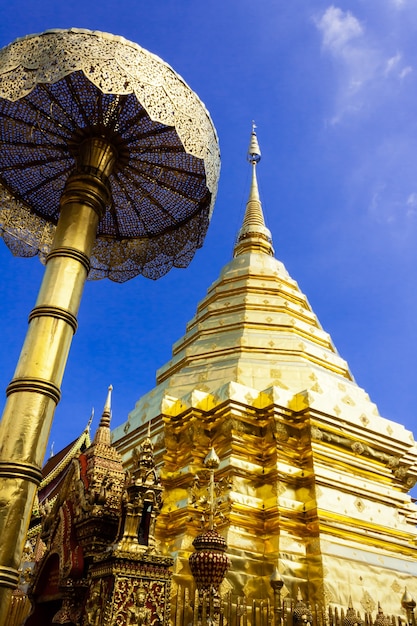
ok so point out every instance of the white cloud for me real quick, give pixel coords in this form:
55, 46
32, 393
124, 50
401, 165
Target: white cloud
392, 63
405, 71
387, 206
411, 204
362, 63
339, 28
394, 66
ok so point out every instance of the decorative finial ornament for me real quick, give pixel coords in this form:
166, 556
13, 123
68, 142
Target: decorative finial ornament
381, 619
90, 421
254, 152
409, 604
209, 563
103, 431
254, 236
275, 580
302, 614
107, 406
407, 600
212, 461
352, 618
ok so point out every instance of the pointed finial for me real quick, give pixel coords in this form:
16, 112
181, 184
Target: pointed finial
103, 431
90, 421
212, 461
147, 441
107, 406
254, 236
51, 454
254, 152
275, 580
407, 601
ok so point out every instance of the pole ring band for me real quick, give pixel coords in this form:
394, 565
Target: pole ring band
84, 185
25, 471
56, 312
35, 385
71, 253
9, 577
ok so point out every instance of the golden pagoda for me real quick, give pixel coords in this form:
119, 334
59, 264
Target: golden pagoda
318, 505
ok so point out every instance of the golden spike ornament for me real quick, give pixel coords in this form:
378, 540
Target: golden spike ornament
254, 236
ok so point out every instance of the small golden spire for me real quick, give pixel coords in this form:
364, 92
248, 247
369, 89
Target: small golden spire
254, 236
107, 406
103, 431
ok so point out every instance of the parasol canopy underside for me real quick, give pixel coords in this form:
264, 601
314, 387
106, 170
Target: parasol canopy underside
163, 184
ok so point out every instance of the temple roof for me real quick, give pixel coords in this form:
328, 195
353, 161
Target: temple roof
56, 467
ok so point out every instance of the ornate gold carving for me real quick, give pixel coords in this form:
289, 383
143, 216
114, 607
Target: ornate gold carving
357, 447
317, 388
367, 602
396, 587
210, 497
95, 603
143, 503
328, 593
139, 603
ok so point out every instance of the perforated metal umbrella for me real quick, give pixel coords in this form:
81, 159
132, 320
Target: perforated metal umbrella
61, 87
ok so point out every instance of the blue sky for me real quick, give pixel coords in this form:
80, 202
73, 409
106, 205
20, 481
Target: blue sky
333, 90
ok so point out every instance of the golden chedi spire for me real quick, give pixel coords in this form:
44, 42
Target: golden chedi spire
255, 371
254, 236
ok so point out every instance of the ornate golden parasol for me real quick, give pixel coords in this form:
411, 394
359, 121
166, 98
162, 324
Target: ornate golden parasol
108, 167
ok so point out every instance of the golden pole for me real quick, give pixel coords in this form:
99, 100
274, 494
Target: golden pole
34, 391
